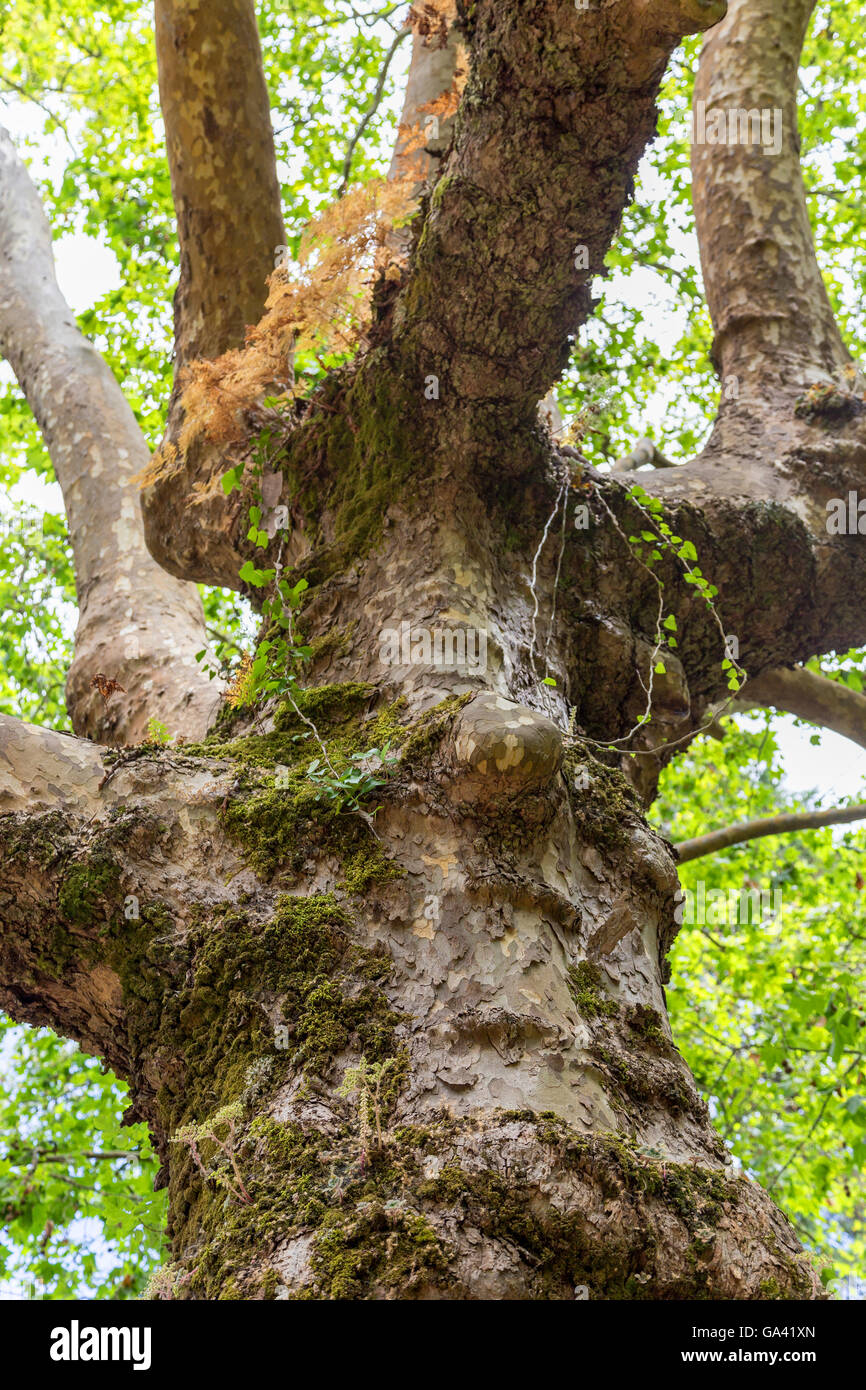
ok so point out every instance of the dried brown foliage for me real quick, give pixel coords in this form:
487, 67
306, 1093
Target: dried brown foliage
239, 691
106, 685
320, 305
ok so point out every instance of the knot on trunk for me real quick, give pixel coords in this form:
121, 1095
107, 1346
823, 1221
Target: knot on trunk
500, 750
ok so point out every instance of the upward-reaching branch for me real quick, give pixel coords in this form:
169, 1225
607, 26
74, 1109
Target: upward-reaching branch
220, 147
559, 106
791, 433
774, 327
136, 623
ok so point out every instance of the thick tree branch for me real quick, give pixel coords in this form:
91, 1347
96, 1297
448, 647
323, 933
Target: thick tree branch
790, 437
809, 696
83, 853
220, 147
739, 834
558, 108
45, 771
136, 623
773, 323
49, 792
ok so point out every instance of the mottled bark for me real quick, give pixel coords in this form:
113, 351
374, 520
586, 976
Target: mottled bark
95, 853
558, 108
790, 436
220, 147
497, 951
774, 328
136, 623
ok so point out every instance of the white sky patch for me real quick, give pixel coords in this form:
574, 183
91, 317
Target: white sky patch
836, 768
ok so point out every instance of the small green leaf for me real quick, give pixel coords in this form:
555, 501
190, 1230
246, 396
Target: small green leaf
258, 578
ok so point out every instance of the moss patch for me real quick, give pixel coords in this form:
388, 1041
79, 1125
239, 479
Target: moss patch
585, 987
281, 818
349, 460
328, 706
87, 872
368, 865
301, 968
374, 1224
86, 885
608, 808
209, 1011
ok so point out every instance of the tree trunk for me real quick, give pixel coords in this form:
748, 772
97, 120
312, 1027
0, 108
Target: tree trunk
482, 970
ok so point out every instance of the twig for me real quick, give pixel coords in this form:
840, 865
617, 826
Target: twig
767, 825
370, 112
